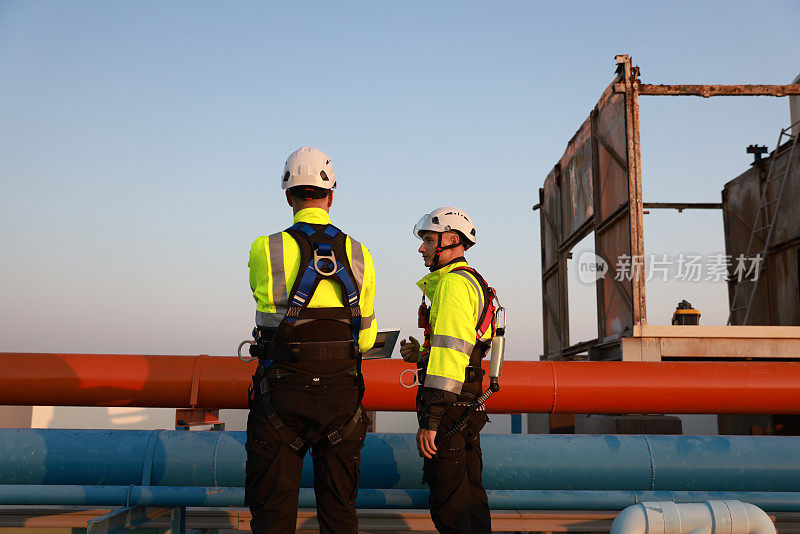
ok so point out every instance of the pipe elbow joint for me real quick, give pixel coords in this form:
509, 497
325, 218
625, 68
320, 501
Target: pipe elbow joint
631, 520
757, 519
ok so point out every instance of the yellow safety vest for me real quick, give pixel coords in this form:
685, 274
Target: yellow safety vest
456, 305
275, 262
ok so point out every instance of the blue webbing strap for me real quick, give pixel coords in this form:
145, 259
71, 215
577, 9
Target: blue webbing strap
309, 276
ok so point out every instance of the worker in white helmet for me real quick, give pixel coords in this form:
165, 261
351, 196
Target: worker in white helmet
314, 288
458, 330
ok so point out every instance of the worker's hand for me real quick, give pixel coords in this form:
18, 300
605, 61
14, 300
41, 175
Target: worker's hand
425, 442
409, 350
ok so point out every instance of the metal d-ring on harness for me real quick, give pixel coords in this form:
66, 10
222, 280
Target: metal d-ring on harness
318, 250
495, 371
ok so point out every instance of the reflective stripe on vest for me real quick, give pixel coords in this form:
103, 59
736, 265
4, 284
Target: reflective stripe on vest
279, 296
357, 262
450, 342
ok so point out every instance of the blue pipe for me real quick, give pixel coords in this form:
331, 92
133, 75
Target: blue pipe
516, 423
511, 462
30, 495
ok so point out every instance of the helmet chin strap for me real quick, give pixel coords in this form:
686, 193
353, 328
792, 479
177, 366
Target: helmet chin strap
440, 249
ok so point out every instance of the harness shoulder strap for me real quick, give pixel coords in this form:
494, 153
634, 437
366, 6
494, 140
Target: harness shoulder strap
323, 255
486, 318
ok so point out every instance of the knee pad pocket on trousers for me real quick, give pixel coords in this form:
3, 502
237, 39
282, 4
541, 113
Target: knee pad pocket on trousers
448, 466
260, 455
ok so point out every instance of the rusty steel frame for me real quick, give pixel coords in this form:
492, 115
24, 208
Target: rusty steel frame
625, 216
706, 91
559, 201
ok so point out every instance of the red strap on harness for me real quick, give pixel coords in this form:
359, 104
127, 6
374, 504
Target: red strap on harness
486, 319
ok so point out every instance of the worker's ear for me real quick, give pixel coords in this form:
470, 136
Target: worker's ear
330, 198
451, 238
289, 198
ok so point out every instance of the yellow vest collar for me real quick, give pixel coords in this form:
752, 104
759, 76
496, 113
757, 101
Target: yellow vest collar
430, 282
312, 216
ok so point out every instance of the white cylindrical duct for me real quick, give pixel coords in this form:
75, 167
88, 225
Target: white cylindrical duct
710, 517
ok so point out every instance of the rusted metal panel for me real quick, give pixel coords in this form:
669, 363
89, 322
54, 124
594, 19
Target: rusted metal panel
593, 188
782, 292
706, 91
740, 205
618, 293
552, 312
788, 222
550, 223
550, 212
777, 297
576, 179
612, 229
611, 153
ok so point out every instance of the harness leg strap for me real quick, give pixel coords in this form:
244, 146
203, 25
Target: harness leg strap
338, 434
295, 442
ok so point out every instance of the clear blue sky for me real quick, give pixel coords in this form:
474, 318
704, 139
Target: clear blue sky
141, 145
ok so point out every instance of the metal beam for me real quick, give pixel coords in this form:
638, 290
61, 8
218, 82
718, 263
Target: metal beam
680, 206
124, 519
707, 91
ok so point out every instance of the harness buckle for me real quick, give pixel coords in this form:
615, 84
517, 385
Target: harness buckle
275, 420
324, 263
297, 444
334, 437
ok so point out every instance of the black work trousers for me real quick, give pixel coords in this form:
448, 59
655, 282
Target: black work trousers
311, 408
457, 499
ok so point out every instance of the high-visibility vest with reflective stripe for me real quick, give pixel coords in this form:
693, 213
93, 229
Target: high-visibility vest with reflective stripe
456, 304
274, 265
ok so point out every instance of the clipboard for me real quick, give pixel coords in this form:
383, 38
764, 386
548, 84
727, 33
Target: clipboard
384, 345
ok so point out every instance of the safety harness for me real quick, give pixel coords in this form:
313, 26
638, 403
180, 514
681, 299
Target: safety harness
323, 256
473, 371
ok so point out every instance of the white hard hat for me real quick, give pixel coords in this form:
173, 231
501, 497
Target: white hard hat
308, 167
448, 220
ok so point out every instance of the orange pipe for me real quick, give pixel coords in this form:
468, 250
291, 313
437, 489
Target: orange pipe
555, 387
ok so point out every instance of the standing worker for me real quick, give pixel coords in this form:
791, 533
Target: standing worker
314, 288
458, 330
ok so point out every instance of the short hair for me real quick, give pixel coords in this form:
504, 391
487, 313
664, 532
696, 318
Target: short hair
307, 192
